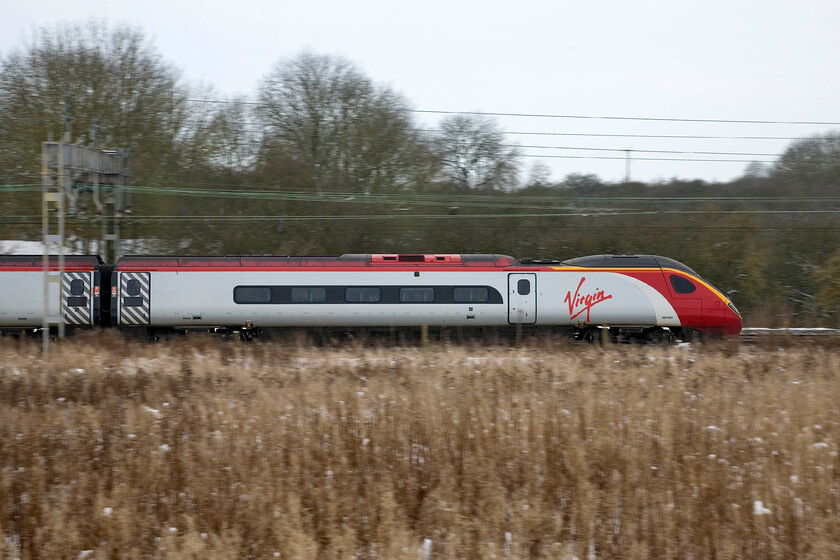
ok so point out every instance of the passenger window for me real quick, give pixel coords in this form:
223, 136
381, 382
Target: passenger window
309, 295
417, 295
251, 294
682, 285
471, 294
362, 295
523, 287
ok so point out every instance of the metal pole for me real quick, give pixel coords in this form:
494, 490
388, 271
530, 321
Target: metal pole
46, 180
118, 207
68, 117
66, 194
66, 184
627, 165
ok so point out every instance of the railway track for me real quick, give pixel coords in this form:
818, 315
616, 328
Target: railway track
760, 334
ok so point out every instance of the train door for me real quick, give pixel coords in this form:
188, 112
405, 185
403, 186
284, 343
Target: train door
77, 298
522, 298
134, 298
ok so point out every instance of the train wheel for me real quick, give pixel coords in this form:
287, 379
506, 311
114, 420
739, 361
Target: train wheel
162, 336
594, 335
660, 336
236, 336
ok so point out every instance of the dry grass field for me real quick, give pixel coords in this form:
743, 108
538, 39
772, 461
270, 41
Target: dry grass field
205, 449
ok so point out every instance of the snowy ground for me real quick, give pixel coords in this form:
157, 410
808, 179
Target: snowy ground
16, 247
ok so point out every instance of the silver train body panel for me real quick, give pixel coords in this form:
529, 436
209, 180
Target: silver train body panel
200, 299
22, 299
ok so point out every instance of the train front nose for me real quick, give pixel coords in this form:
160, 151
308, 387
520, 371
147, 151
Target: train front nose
733, 323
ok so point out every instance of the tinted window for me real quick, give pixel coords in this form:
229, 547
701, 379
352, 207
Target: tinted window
682, 285
417, 295
133, 302
252, 294
362, 295
77, 287
523, 287
309, 295
471, 294
132, 287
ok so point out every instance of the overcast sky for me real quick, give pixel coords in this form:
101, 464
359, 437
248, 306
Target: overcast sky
767, 60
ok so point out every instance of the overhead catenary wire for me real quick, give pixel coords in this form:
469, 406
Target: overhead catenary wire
497, 199
458, 217
262, 192
620, 118
396, 225
259, 127
702, 160
624, 153
571, 116
650, 136
643, 151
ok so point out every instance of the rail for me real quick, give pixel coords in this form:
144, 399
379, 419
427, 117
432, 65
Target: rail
755, 334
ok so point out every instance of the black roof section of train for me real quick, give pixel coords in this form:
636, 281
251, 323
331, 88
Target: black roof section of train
628, 261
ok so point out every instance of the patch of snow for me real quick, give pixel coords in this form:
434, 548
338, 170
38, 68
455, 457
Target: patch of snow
426, 550
77, 246
18, 247
153, 411
759, 509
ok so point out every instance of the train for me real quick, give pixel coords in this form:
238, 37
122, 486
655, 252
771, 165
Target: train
624, 297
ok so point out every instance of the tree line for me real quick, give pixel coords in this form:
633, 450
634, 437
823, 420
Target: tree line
323, 161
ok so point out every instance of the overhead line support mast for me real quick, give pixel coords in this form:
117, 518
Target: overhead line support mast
68, 171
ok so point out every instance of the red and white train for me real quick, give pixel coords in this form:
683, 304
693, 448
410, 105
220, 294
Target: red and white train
628, 296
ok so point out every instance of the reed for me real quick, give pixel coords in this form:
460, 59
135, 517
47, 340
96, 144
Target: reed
206, 449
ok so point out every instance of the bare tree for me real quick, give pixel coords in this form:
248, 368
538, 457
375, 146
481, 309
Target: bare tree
232, 143
475, 156
539, 175
113, 76
350, 135
811, 164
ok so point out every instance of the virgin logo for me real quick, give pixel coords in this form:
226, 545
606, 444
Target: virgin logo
580, 303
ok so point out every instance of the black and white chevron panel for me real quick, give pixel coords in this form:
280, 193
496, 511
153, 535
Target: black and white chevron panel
76, 298
134, 298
